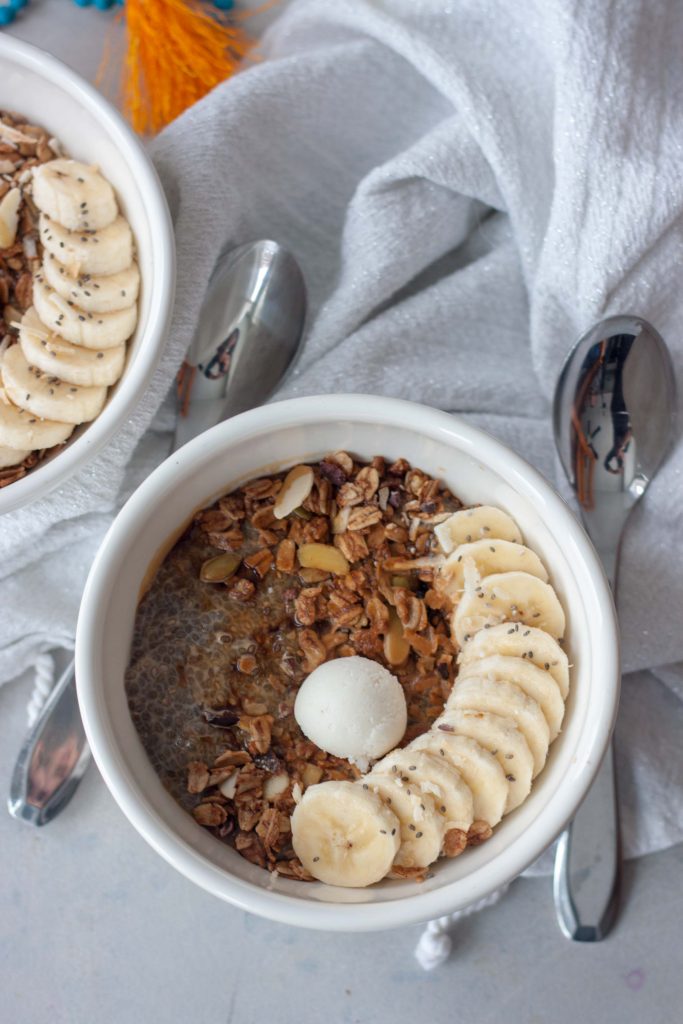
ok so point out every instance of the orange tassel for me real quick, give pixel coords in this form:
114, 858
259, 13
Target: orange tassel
176, 53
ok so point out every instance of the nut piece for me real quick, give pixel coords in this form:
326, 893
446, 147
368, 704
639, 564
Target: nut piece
220, 568
275, 785
479, 832
323, 556
296, 488
454, 842
396, 647
311, 774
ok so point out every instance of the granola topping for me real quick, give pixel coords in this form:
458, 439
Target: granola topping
235, 621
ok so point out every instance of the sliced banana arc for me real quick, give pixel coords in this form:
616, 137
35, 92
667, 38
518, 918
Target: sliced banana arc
489, 556
480, 523
422, 827
510, 701
102, 294
480, 770
72, 341
91, 330
508, 596
70, 363
12, 456
426, 773
520, 641
42, 396
536, 683
107, 251
74, 194
344, 834
20, 429
501, 737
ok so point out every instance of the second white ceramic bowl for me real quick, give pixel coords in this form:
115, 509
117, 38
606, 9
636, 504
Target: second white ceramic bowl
48, 93
476, 468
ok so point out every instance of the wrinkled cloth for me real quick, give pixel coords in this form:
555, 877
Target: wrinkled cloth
468, 186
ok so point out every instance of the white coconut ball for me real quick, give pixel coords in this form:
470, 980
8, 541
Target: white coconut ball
353, 708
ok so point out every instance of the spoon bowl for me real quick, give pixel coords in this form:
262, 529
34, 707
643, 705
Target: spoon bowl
248, 337
614, 414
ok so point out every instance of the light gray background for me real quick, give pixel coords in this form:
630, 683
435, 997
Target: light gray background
94, 927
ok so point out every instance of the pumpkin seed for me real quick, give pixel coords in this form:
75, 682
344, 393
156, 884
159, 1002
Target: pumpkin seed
220, 568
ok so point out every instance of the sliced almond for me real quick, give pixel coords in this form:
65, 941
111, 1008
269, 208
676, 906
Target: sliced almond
229, 786
296, 487
396, 647
9, 217
341, 520
323, 556
275, 785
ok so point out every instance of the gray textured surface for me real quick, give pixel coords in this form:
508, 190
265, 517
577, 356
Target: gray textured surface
95, 927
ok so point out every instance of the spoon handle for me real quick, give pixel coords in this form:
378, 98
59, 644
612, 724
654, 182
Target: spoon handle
588, 862
53, 759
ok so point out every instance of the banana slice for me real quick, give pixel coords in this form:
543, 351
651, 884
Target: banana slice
93, 294
510, 701
91, 330
536, 683
344, 834
108, 251
46, 397
514, 596
22, 430
70, 363
481, 523
74, 195
503, 739
515, 641
480, 770
11, 456
422, 827
489, 556
433, 775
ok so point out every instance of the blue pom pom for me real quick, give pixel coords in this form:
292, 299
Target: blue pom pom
82, 3
6, 15
103, 5
224, 5
17, 5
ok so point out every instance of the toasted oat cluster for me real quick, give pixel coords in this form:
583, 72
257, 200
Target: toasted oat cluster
275, 578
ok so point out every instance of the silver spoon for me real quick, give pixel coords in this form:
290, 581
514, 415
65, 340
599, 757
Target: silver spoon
614, 413
249, 335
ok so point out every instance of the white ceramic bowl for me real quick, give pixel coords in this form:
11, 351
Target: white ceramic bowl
478, 469
49, 94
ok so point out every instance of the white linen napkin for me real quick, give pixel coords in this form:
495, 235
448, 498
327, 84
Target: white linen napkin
468, 186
